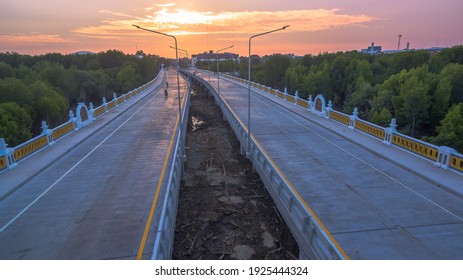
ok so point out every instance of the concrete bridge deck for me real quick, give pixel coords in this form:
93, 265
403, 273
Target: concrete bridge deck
89, 195
376, 201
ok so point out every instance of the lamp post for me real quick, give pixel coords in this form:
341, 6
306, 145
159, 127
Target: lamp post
218, 75
249, 85
185, 51
178, 77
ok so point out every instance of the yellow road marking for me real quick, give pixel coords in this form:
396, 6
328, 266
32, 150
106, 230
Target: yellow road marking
141, 249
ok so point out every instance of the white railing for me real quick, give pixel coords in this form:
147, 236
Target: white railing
443, 157
164, 238
10, 157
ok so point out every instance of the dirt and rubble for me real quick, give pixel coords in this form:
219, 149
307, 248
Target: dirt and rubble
224, 210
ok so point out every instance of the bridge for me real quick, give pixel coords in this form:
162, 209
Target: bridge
347, 189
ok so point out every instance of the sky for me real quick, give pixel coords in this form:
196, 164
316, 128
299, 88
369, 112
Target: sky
315, 26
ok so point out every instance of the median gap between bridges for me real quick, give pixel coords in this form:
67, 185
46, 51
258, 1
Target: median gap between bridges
224, 210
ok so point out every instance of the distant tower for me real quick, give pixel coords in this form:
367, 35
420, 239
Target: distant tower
398, 45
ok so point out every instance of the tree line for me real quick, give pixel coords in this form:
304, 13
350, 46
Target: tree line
422, 90
45, 87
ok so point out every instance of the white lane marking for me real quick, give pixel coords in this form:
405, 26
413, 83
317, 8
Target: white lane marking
72, 168
359, 159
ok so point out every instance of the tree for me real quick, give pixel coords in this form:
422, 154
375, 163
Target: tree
15, 123
412, 104
360, 98
275, 68
383, 118
6, 71
92, 85
62, 79
50, 105
14, 90
454, 72
127, 78
450, 131
440, 101
294, 78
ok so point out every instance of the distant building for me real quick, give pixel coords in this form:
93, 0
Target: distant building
211, 56
83, 53
372, 49
378, 49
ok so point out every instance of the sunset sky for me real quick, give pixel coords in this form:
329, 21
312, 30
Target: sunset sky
42, 26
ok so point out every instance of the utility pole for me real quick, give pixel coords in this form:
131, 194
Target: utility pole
398, 45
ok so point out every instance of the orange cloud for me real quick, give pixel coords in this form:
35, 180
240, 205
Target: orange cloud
185, 22
33, 39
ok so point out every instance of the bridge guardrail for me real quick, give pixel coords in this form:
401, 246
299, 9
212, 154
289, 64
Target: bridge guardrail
164, 240
312, 236
10, 157
443, 157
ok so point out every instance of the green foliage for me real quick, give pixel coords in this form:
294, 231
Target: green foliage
412, 104
383, 118
50, 105
127, 78
45, 87
15, 123
415, 87
14, 90
6, 71
274, 70
450, 130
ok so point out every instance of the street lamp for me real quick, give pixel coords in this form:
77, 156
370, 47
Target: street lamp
185, 51
249, 85
178, 77
218, 75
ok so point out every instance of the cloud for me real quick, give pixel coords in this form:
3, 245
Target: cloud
186, 22
33, 39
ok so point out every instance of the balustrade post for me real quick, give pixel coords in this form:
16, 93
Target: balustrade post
389, 132
285, 93
115, 99
8, 153
296, 97
105, 104
311, 105
48, 133
91, 112
326, 113
353, 118
443, 158
73, 119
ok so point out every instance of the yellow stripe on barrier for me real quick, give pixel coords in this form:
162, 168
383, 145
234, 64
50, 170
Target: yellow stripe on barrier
340, 118
281, 95
370, 129
111, 105
144, 238
272, 91
301, 199
58, 133
2, 162
127, 96
120, 100
290, 98
303, 103
99, 111
456, 163
30, 148
416, 147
